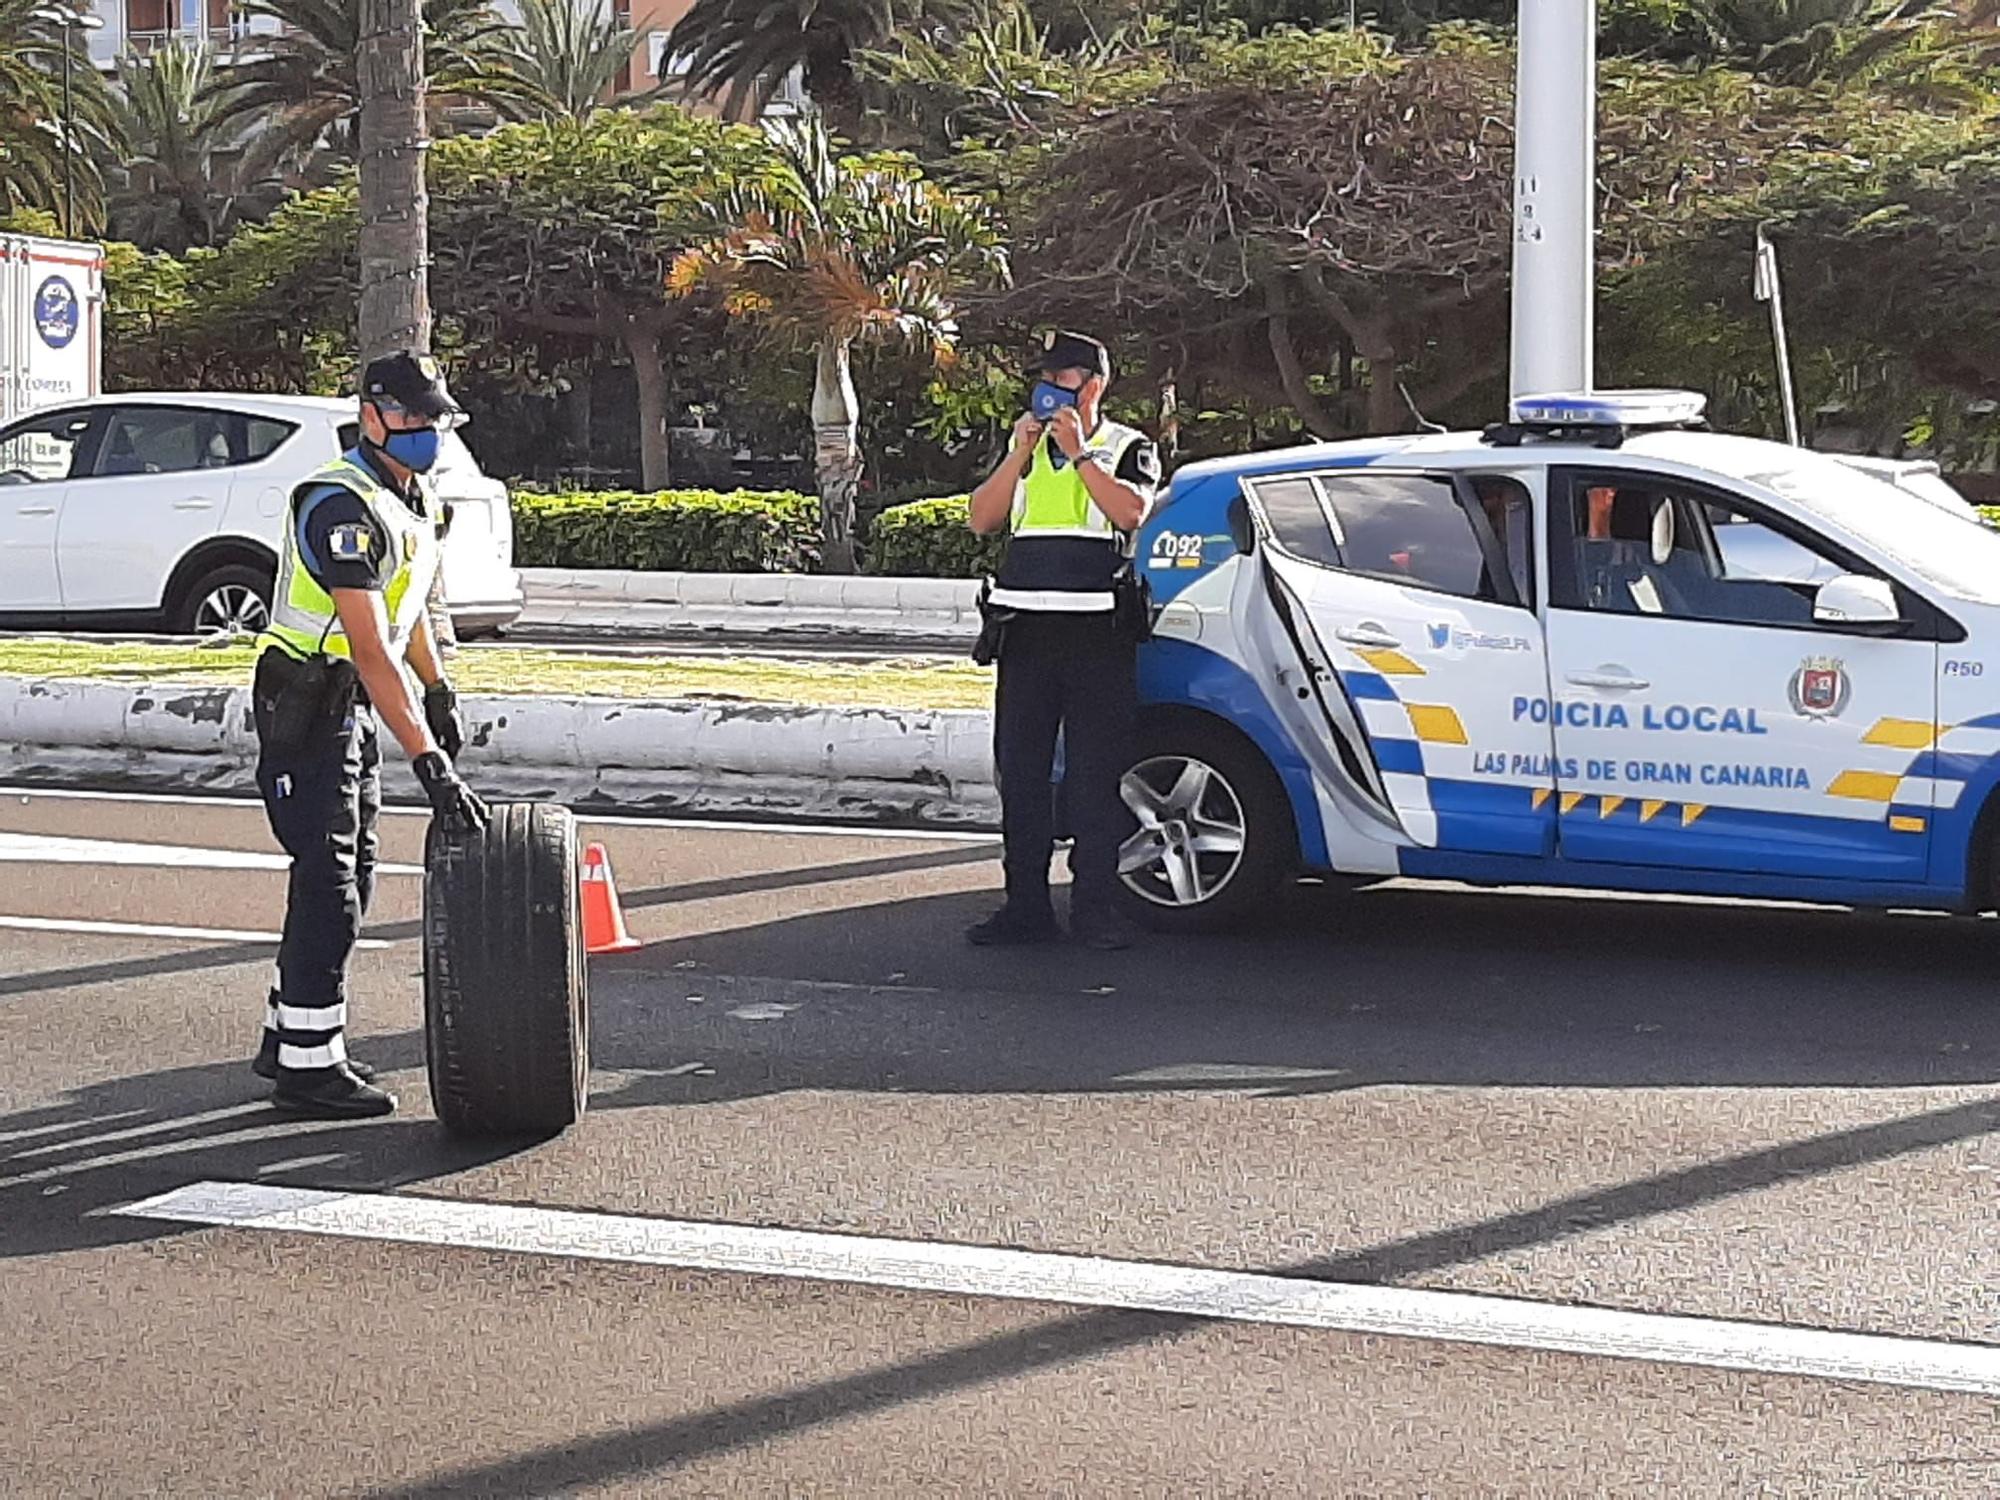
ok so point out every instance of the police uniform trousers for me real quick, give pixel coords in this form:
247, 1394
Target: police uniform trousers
1073, 675
324, 802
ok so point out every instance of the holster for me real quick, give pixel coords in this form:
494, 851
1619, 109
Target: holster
296, 703
1132, 607
993, 620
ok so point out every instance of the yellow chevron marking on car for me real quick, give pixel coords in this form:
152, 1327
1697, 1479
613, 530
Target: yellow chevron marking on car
1571, 799
1609, 806
1690, 814
1437, 724
1902, 734
1650, 810
1866, 786
1389, 663
1907, 825
1541, 797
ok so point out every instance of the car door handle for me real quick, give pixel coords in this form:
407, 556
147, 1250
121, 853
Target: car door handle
196, 504
1607, 680
1362, 637
37, 510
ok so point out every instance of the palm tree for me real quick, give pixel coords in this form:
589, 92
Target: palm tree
572, 55
35, 148
827, 252
303, 83
186, 178
740, 48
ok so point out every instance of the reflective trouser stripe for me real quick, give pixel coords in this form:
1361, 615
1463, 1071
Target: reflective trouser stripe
327, 1054
311, 1018
1067, 601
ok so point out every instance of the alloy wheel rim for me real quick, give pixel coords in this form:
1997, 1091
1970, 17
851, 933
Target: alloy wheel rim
1192, 831
233, 609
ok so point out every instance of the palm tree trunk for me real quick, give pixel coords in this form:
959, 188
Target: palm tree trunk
642, 344
836, 415
395, 229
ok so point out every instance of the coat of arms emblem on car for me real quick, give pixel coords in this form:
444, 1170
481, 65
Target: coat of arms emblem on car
1820, 689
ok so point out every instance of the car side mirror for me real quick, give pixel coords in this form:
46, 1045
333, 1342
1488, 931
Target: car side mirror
1242, 529
1851, 600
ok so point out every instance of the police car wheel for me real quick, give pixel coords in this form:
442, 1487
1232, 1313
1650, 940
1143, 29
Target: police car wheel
506, 997
1214, 835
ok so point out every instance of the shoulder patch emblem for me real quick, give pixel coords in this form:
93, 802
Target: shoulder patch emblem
350, 543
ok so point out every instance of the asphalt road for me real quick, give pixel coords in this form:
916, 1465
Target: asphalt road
1787, 1117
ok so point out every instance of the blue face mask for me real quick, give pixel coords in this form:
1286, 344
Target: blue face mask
1050, 398
416, 451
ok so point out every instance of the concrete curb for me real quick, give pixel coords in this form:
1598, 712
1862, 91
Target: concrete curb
920, 768
597, 601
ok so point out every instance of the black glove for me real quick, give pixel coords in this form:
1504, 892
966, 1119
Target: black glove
451, 799
441, 713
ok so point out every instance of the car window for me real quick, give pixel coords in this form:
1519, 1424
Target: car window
265, 436
163, 440
1298, 524
1408, 528
1639, 544
44, 449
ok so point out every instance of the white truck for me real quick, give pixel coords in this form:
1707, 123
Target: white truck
51, 323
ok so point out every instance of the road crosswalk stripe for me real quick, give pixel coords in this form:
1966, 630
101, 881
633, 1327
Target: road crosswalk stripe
1087, 1281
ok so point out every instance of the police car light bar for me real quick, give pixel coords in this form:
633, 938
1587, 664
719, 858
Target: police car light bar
1622, 409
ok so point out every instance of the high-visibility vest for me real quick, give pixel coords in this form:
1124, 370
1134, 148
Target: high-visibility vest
1064, 551
304, 621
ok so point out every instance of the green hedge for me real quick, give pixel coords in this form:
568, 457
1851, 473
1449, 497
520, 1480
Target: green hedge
742, 531
695, 531
929, 539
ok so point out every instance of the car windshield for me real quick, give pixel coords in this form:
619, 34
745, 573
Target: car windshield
1960, 557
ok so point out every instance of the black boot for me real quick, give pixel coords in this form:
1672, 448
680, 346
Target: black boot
336, 1093
1013, 927
266, 1065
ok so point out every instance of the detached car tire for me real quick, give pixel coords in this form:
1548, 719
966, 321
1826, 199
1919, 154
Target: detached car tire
1216, 837
506, 990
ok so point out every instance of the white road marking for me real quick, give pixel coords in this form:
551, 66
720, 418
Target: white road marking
707, 825
1087, 1281
60, 849
136, 1132
152, 930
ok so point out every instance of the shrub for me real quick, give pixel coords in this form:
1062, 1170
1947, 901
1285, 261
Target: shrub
697, 531
930, 539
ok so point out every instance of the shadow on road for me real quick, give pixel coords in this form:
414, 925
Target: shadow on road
1403, 985
110, 1144
1067, 1338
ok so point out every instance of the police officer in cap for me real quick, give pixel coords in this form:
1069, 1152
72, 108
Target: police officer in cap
360, 551
1073, 489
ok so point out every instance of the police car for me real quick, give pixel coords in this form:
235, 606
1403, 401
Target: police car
1560, 652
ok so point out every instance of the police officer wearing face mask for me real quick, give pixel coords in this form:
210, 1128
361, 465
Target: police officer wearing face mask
1064, 618
362, 547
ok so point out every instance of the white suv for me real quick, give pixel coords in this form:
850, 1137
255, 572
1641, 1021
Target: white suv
165, 511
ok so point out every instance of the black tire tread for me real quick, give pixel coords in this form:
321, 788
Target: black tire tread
506, 1004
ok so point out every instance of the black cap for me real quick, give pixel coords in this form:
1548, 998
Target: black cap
1072, 351
411, 380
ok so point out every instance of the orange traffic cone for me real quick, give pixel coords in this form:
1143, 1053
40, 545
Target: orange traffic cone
603, 923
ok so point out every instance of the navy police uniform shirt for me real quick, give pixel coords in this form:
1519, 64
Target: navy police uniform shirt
340, 542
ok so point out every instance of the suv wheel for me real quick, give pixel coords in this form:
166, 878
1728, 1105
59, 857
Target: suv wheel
231, 600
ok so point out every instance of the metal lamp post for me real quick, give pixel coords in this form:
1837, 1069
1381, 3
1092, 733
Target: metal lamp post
72, 22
